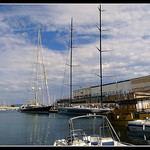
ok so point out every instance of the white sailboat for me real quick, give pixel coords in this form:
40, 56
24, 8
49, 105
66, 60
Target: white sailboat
38, 91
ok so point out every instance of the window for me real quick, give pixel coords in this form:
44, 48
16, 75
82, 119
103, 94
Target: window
147, 88
134, 106
121, 106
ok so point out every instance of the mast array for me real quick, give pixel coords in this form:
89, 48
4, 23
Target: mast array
100, 50
37, 70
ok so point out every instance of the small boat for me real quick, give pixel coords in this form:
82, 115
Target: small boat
139, 125
90, 130
38, 93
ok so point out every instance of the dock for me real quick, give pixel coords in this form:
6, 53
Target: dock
3, 108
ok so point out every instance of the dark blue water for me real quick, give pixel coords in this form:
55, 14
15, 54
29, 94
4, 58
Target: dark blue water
42, 129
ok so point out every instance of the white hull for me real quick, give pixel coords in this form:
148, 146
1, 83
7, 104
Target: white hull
139, 125
102, 142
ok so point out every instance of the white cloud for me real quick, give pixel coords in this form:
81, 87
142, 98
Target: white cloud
128, 37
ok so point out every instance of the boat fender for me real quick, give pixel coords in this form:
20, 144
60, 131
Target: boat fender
117, 116
143, 127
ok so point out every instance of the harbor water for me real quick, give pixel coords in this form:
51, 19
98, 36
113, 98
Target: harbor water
43, 129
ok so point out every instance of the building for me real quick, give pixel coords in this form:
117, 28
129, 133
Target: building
137, 88
141, 87
112, 92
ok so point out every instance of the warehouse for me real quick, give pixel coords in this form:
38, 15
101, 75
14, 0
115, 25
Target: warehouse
136, 88
108, 89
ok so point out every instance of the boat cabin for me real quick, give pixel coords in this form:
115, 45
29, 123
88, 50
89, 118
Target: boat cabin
127, 106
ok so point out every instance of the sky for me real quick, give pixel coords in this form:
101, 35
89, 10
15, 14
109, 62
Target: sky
126, 32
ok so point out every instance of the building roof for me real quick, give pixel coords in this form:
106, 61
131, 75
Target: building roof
111, 83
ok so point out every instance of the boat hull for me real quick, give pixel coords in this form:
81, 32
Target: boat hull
41, 110
139, 125
67, 110
123, 118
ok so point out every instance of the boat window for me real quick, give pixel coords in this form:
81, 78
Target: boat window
134, 106
78, 134
121, 106
105, 132
131, 106
95, 126
126, 106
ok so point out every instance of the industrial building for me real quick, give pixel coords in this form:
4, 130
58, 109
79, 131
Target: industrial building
127, 89
108, 90
137, 88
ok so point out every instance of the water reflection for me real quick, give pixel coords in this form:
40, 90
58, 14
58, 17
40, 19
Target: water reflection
136, 138
45, 129
142, 138
38, 126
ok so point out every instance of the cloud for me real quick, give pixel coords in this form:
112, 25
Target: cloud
128, 36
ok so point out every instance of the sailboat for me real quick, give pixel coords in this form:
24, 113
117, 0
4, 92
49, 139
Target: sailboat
81, 109
38, 93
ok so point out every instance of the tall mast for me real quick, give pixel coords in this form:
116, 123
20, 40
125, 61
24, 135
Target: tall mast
37, 67
71, 64
100, 50
44, 69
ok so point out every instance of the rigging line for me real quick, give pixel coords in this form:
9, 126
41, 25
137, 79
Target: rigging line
76, 58
24, 29
94, 63
40, 92
91, 67
42, 61
96, 58
114, 60
30, 75
44, 69
79, 66
83, 52
28, 83
64, 72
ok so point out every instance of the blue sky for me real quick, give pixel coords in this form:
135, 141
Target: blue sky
128, 36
